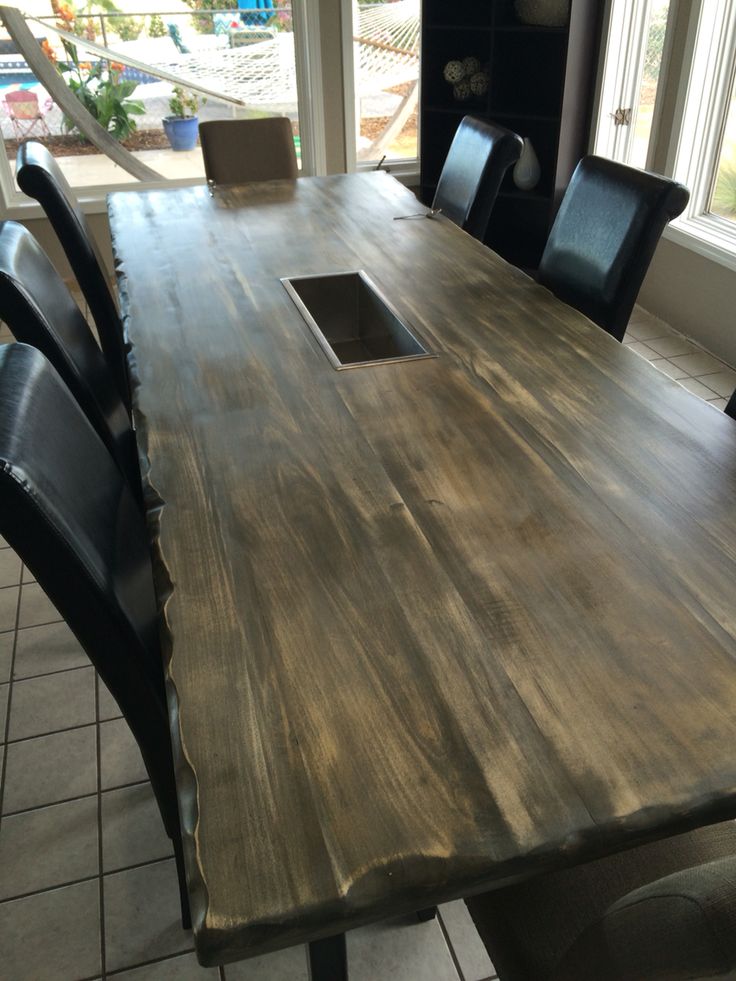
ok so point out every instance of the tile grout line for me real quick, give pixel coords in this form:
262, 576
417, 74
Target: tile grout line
8, 704
100, 850
155, 960
446, 934
58, 732
85, 878
49, 674
70, 800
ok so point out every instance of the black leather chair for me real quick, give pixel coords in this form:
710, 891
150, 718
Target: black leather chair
68, 512
478, 158
39, 177
665, 911
39, 310
604, 236
239, 150
730, 409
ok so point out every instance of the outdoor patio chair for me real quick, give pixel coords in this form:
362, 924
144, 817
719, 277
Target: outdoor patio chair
603, 239
236, 151
40, 177
26, 114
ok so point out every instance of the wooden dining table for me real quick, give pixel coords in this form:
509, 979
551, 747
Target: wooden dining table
429, 626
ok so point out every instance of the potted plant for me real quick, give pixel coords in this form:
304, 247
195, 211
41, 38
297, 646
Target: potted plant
182, 125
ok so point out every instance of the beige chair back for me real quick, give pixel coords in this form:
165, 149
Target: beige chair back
236, 151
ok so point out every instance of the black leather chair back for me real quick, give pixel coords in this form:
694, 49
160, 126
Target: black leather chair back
68, 512
39, 310
603, 239
40, 177
479, 156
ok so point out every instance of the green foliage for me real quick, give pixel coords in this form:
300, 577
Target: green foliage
724, 196
126, 28
102, 92
183, 103
156, 27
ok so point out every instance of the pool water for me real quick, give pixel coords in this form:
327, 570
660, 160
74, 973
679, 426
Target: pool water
16, 78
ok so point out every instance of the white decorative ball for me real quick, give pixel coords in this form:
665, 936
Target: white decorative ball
461, 91
471, 66
453, 72
544, 13
479, 83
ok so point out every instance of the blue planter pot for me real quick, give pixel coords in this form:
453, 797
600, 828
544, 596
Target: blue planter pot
181, 131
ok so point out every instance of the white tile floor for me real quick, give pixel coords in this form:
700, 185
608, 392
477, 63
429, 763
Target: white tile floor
695, 369
87, 884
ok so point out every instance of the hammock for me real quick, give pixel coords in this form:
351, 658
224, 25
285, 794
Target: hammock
263, 73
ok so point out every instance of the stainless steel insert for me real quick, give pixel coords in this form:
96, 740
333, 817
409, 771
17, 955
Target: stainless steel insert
353, 322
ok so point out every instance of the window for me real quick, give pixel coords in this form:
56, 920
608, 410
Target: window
633, 62
385, 49
702, 147
234, 62
696, 143
723, 200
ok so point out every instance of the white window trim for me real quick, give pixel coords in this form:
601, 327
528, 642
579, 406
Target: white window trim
308, 56
620, 75
702, 104
404, 169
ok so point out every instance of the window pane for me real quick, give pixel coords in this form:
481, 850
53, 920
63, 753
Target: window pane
644, 104
723, 201
386, 58
246, 54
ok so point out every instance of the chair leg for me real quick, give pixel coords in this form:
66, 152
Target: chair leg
328, 959
186, 916
423, 915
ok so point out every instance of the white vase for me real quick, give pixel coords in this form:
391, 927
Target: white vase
526, 172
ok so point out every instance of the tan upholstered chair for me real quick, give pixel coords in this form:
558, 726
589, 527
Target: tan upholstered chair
236, 151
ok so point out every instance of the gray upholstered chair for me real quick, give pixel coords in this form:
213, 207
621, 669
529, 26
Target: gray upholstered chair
236, 151
604, 236
665, 911
478, 158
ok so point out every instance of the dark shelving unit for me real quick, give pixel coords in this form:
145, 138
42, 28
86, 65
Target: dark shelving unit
541, 86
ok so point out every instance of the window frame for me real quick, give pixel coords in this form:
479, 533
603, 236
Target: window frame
694, 146
404, 169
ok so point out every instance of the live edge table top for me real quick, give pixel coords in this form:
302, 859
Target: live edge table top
429, 626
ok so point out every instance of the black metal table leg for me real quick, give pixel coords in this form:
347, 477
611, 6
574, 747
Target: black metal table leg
328, 959
426, 914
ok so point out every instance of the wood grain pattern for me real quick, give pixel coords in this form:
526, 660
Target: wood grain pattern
430, 626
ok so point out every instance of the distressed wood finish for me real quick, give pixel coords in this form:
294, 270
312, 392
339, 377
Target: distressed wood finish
429, 626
